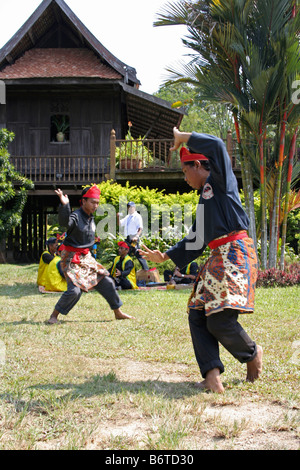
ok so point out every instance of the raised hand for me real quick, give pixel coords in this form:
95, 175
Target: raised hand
179, 138
64, 199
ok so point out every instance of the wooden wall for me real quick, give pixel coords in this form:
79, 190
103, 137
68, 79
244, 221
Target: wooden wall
92, 116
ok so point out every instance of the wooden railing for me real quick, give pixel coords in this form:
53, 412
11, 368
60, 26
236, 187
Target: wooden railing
148, 154
139, 155
62, 169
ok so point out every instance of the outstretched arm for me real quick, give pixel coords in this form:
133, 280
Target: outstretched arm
155, 256
64, 209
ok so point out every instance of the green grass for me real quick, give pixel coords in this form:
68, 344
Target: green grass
91, 382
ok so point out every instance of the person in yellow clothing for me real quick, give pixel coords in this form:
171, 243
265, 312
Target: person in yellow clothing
45, 259
122, 270
54, 277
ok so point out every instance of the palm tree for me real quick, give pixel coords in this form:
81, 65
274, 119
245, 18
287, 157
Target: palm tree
245, 54
292, 200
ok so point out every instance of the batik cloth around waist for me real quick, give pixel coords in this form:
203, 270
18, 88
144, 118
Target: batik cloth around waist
228, 278
86, 273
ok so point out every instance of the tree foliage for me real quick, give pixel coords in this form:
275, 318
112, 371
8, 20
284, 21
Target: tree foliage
12, 200
245, 55
204, 116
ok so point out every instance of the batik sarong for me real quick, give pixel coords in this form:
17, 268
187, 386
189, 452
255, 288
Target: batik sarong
86, 274
227, 280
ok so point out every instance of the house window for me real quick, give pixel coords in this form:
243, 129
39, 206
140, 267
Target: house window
60, 128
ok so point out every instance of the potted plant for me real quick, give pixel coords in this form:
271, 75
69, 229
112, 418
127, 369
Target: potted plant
132, 154
62, 124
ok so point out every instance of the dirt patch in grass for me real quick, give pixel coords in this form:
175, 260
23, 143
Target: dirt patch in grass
208, 421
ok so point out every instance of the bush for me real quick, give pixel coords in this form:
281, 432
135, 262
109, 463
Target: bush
276, 278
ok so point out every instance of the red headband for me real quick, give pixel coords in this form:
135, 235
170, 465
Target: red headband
123, 245
187, 156
93, 193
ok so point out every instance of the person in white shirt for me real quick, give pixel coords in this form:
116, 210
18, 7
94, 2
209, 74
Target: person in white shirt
133, 227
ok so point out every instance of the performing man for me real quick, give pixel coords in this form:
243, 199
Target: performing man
225, 285
80, 268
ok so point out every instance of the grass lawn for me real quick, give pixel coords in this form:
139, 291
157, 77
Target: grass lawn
91, 382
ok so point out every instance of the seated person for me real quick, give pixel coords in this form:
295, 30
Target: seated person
54, 277
46, 257
186, 275
123, 271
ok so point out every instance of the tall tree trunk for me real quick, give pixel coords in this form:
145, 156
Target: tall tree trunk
263, 204
272, 231
251, 213
288, 190
3, 251
247, 183
276, 211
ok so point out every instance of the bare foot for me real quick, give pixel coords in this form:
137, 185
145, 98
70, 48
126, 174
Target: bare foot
212, 382
122, 316
53, 318
254, 368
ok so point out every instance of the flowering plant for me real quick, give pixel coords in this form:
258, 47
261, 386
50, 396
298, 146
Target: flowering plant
133, 149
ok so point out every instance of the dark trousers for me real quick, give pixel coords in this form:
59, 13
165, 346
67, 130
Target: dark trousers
73, 293
220, 327
122, 282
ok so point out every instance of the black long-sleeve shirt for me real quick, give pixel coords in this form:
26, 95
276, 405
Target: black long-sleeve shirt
47, 257
80, 227
219, 210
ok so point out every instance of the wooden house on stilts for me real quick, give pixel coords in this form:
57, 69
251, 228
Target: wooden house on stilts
59, 77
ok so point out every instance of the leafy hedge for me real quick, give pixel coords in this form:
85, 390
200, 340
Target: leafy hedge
112, 193
276, 278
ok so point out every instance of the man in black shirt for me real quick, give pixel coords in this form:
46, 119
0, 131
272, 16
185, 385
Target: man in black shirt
81, 270
225, 286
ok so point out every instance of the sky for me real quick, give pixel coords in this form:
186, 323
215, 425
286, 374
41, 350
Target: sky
124, 27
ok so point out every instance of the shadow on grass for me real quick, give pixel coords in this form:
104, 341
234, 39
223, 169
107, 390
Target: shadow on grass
110, 385
19, 289
61, 322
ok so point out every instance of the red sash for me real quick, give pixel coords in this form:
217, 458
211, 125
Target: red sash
77, 251
222, 241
